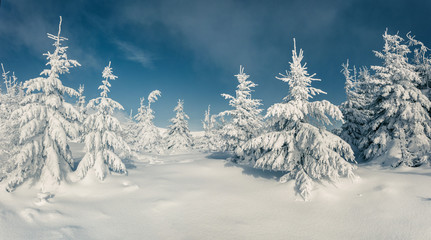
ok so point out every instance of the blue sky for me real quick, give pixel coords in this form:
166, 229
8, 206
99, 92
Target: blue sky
192, 49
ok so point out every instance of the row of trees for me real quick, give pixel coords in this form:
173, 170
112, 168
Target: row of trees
386, 116
37, 125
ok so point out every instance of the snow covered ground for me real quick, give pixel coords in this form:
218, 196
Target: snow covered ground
201, 196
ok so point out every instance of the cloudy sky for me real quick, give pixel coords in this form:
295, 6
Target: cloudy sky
192, 49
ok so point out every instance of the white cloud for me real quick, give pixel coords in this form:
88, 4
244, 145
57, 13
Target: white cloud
134, 53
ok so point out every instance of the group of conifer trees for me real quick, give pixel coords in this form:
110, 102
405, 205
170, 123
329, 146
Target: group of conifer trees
386, 119
37, 125
387, 112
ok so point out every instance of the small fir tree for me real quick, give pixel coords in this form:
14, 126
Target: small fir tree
82, 109
422, 63
9, 102
179, 137
245, 119
80, 104
129, 133
103, 142
9, 127
355, 108
148, 136
211, 141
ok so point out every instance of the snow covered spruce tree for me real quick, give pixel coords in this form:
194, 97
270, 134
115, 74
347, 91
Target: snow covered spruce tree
148, 136
82, 109
422, 63
401, 127
293, 144
103, 142
245, 119
80, 104
9, 102
179, 137
9, 127
47, 122
355, 108
12, 97
211, 141
129, 132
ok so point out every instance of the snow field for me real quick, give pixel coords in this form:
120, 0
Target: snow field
195, 196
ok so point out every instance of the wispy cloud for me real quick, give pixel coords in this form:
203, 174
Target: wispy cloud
135, 54
24, 27
27, 31
230, 33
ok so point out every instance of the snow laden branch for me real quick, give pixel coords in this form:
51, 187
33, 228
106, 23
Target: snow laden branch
306, 153
152, 97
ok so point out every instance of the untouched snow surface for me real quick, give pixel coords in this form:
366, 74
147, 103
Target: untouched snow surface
201, 196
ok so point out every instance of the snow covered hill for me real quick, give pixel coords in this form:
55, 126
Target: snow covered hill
201, 196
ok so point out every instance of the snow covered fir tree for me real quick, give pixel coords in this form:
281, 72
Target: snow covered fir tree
211, 140
82, 109
296, 143
179, 137
400, 131
80, 104
47, 122
245, 120
147, 136
9, 102
422, 63
355, 108
9, 127
103, 142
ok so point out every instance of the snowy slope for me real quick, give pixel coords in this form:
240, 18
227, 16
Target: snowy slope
196, 196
